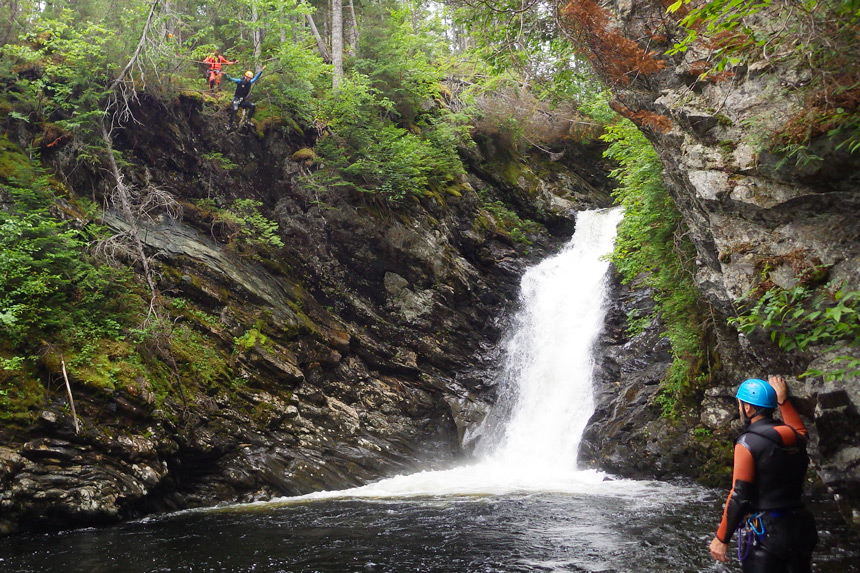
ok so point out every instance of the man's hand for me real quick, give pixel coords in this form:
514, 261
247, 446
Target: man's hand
718, 550
778, 384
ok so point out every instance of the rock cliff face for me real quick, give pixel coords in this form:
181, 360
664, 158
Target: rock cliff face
752, 218
363, 348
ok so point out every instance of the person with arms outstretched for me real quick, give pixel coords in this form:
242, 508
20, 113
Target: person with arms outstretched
776, 533
241, 95
213, 74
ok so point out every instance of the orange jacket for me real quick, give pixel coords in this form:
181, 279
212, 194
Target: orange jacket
216, 61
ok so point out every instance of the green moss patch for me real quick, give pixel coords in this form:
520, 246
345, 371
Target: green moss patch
21, 396
14, 165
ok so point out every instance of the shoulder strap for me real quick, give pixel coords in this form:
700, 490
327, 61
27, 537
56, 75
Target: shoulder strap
772, 439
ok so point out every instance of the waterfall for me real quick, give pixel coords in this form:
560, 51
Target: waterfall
531, 440
546, 384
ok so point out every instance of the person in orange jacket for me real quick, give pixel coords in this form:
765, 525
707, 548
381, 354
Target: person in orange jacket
213, 74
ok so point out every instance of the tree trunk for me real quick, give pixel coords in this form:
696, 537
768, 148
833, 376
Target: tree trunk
122, 197
15, 10
71, 398
281, 25
353, 28
121, 77
337, 43
320, 44
257, 34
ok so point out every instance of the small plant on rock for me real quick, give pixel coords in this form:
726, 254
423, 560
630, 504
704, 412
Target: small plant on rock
803, 317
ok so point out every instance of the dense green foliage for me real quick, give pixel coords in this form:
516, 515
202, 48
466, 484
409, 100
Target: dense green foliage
53, 297
650, 243
804, 316
243, 222
528, 42
48, 288
368, 152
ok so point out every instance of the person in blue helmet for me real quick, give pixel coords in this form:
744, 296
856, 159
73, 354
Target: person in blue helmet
776, 533
241, 97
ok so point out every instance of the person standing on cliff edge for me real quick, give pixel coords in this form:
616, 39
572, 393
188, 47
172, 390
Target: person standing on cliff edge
776, 533
213, 74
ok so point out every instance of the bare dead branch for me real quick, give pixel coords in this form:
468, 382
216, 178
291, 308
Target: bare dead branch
69, 391
122, 90
137, 51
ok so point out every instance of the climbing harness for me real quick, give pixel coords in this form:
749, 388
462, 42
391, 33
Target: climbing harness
751, 532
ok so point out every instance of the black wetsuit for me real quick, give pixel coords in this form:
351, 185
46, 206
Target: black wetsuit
240, 96
775, 468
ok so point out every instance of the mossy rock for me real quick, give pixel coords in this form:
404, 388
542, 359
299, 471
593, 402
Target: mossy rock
264, 112
517, 174
717, 468
199, 357
266, 124
199, 95
276, 266
293, 125
111, 364
454, 190
303, 154
21, 397
14, 165
170, 274
305, 324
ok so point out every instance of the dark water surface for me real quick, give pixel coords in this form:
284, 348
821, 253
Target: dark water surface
499, 533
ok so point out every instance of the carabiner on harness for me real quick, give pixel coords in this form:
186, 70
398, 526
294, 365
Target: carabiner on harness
751, 532
756, 524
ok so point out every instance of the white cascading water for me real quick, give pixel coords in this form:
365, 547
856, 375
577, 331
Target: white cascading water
546, 382
548, 363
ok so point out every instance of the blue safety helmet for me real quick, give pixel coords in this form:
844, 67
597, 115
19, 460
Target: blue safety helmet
758, 393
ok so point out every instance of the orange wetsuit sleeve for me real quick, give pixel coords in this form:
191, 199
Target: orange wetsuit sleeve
743, 476
792, 418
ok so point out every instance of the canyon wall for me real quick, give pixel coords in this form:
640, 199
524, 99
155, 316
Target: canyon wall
758, 219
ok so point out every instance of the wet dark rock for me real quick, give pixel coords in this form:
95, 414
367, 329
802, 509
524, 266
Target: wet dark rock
628, 369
